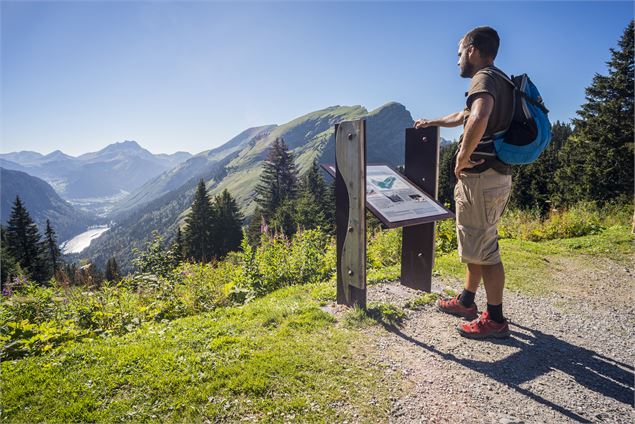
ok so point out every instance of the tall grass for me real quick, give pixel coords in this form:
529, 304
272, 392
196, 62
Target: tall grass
583, 219
38, 319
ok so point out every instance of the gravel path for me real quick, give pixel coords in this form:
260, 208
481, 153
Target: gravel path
569, 359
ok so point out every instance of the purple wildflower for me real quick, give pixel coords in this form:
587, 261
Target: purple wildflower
6, 291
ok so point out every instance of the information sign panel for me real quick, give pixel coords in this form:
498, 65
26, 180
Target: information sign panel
395, 200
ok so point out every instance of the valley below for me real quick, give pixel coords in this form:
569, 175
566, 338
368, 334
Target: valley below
99, 206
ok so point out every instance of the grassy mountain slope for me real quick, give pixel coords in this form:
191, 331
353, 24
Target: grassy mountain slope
310, 136
43, 203
308, 133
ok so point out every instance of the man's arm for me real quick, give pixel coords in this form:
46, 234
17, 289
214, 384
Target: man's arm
475, 127
449, 121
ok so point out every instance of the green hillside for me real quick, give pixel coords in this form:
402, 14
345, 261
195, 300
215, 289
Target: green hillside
309, 136
306, 136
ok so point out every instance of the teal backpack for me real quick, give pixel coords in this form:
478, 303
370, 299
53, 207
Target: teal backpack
530, 130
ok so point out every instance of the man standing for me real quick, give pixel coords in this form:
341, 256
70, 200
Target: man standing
483, 183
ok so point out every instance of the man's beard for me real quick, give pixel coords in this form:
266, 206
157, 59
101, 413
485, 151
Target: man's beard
467, 70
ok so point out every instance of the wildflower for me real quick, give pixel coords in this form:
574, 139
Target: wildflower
7, 291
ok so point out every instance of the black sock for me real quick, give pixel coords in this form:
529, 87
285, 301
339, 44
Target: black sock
467, 298
495, 312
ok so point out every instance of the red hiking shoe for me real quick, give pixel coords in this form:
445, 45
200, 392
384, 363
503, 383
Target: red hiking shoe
484, 328
454, 307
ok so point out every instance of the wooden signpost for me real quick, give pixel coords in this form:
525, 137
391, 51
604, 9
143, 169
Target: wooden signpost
397, 200
350, 212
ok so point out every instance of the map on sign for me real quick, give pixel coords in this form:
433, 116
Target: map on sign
386, 184
394, 199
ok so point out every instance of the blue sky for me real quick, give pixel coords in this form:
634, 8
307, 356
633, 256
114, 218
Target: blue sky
77, 76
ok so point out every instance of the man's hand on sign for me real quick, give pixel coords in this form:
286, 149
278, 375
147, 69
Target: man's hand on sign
452, 120
423, 123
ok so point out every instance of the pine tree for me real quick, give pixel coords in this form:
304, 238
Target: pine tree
112, 270
23, 241
534, 184
255, 228
447, 179
178, 247
597, 163
199, 229
283, 219
311, 204
329, 208
8, 264
52, 251
229, 221
278, 181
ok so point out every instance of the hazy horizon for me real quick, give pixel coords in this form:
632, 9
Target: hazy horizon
189, 76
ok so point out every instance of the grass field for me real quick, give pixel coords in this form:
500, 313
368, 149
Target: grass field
278, 358
530, 265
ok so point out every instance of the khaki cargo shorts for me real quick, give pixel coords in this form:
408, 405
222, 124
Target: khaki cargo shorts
480, 202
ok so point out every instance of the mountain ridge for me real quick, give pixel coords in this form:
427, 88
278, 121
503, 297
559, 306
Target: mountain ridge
310, 136
193, 166
42, 203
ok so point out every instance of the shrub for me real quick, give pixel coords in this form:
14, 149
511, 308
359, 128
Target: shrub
36, 319
279, 262
154, 259
520, 224
203, 287
22, 338
582, 219
384, 248
446, 240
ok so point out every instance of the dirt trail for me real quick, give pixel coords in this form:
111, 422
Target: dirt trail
569, 359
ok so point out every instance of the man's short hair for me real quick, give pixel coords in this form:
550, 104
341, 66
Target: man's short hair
485, 39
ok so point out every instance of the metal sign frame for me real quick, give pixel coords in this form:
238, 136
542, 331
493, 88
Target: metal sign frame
418, 245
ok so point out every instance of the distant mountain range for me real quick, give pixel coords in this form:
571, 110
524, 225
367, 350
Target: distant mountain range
86, 180
42, 203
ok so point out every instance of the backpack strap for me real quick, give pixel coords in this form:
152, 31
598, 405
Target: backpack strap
490, 70
516, 89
